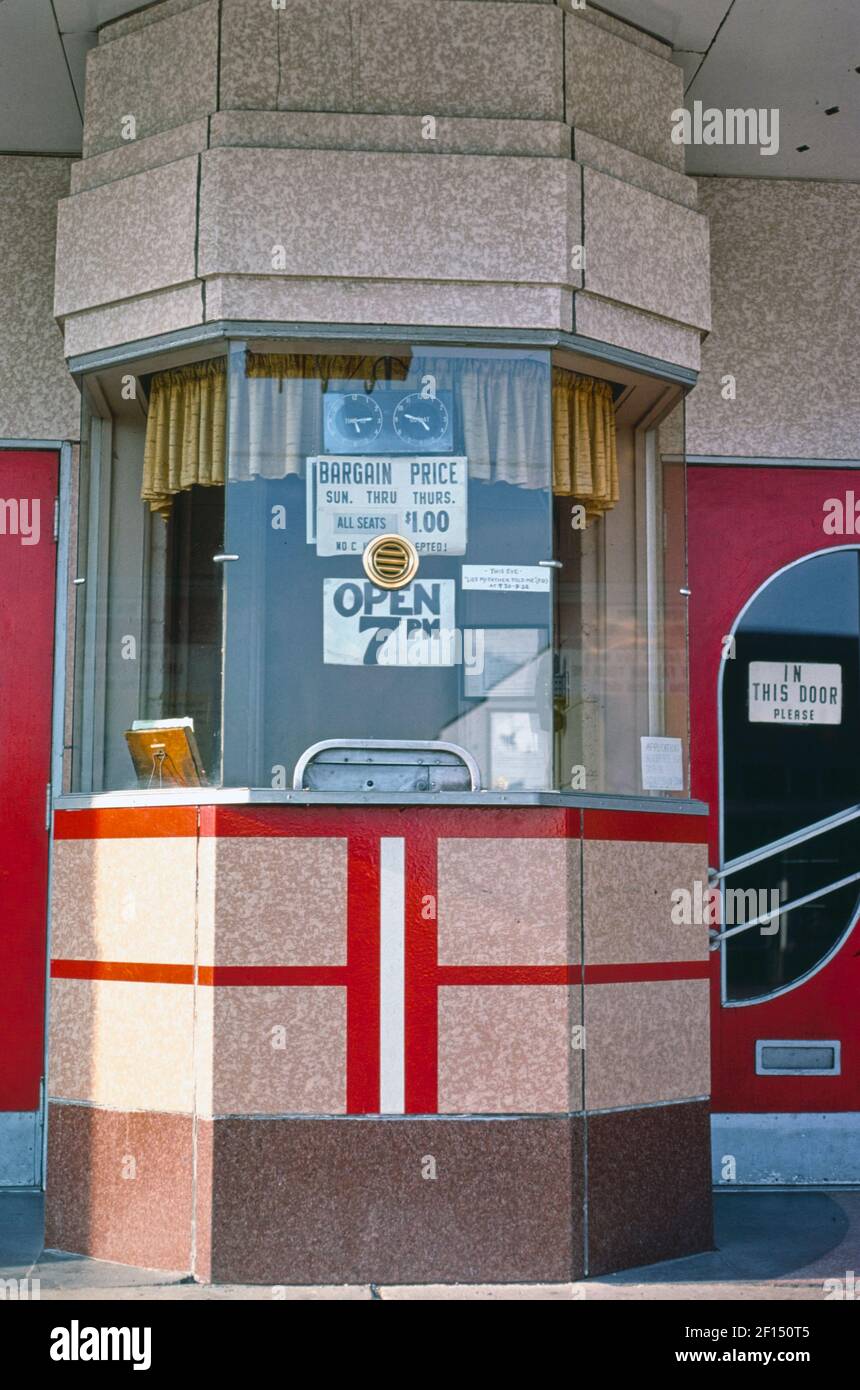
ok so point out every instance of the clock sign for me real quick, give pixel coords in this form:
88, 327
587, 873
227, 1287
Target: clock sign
355, 419
388, 421
420, 420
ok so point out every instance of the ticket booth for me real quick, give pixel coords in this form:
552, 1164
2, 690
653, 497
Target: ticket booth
378, 794
775, 656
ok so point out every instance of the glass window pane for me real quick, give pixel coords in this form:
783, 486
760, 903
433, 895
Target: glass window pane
447, 448
621, 682
147, 596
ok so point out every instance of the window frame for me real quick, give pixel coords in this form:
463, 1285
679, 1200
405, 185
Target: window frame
585, 356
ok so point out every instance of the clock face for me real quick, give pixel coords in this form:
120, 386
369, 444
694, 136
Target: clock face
356, 419
420, 419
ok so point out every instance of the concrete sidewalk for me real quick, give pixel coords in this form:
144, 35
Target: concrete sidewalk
770, 1245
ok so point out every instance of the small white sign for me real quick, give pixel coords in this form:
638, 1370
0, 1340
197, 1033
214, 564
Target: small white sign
351, 500
519, 751
507, 579
795, 692
360, 621
662, 764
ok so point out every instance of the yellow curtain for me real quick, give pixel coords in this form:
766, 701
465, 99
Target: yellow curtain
185, 429
185, 434
584, 451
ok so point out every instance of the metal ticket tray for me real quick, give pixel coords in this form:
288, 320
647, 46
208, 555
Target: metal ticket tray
385, 765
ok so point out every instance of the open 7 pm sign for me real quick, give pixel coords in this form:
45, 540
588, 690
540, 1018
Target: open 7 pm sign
359, 620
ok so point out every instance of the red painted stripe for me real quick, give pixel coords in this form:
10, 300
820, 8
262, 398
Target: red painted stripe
459, 822
668, 827
421, 997
443, 822
138, 972
125, 823
149, 972
422, 981
277, 822
241, 975
509, 974
362, 1001
647, 970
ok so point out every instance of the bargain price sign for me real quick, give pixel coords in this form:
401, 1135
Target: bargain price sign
351, 500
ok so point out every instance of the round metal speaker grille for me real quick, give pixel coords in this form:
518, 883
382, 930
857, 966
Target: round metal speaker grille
390, 561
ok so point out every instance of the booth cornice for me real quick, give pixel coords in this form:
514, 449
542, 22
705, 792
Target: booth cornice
460, 163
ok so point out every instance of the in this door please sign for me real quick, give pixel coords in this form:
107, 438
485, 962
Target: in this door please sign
795, 692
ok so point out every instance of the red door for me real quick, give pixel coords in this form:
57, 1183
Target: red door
775, 691
28, 487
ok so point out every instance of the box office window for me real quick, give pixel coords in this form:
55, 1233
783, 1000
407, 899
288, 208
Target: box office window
449, 450
232, 575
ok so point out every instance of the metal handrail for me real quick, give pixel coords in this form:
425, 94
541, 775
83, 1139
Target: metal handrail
797, 837
784, 907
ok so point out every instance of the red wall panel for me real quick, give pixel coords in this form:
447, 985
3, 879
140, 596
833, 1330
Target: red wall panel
27, 576
744, 524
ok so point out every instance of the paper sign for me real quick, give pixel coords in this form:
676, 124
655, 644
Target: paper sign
795, 692
519, 751
351, 500
366, 626
507, 579
511, 663
662, 764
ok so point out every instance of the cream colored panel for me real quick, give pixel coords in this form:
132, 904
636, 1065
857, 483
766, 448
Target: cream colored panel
628, 903
645, 1042
124, 900
124, 1045
270, 900
508, 902
506, 1049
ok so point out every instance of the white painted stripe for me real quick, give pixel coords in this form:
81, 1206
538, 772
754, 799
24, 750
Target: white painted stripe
392, 981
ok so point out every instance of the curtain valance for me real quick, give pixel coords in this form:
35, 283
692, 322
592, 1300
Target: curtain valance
584, 450
276, 421
185, 432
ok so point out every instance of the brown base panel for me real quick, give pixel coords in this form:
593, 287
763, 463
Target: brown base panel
331, 1201
119, 1186
345, 1201
649, 1185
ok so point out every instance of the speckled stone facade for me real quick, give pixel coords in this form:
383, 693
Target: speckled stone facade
786, 291
418, 168
38, 398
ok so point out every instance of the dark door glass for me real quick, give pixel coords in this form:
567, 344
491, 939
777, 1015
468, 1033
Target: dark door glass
790, 702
